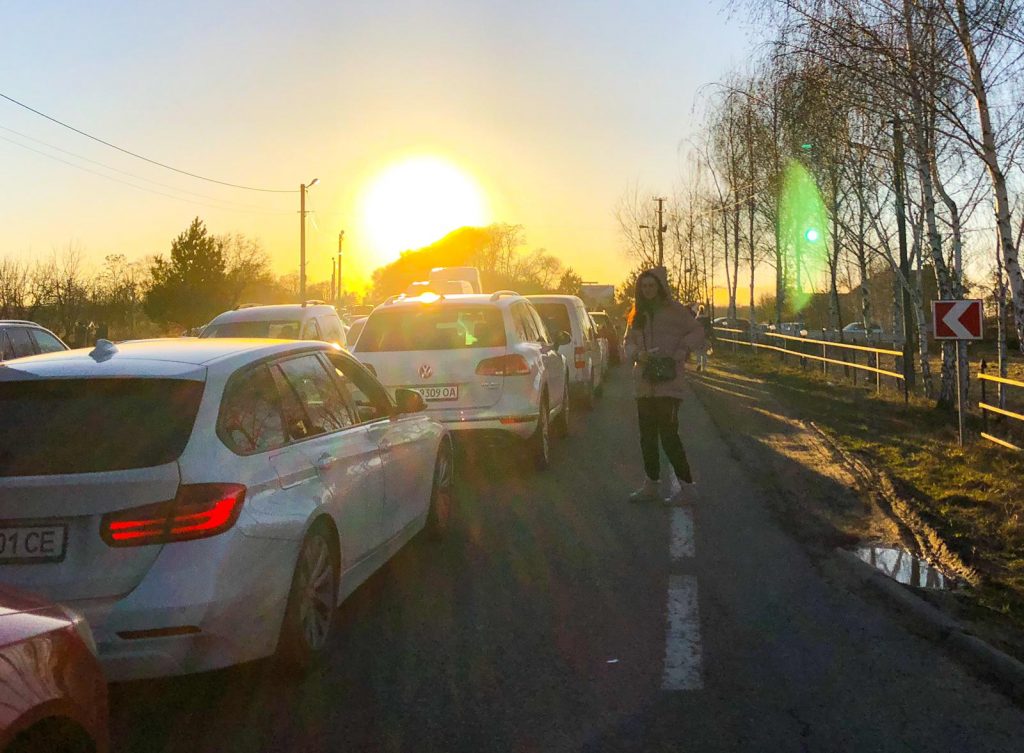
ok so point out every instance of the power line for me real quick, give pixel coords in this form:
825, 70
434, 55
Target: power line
133, 185
139, 156
130, 175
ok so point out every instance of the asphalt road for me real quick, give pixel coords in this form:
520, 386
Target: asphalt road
557, 615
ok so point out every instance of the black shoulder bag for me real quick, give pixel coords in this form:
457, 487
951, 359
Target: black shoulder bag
657, 368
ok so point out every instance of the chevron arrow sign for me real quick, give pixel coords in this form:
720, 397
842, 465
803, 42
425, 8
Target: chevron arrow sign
957, 320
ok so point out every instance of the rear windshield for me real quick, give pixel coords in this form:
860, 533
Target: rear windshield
281, 330
434, 328
57, 426
555, 315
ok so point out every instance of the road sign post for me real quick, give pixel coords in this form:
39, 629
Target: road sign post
959, 321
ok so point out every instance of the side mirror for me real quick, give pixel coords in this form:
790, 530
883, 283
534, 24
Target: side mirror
562, 338
409, 401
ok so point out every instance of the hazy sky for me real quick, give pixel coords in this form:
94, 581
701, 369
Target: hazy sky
553, 107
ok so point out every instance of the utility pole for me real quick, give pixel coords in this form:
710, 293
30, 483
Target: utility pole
341, 238
901, 227
662, 227
302, 237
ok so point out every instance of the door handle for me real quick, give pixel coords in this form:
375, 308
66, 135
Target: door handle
324, 462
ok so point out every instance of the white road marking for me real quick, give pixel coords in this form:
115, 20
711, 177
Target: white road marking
681, 544
683, 651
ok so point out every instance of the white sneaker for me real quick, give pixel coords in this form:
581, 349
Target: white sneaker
686, 494
646, 493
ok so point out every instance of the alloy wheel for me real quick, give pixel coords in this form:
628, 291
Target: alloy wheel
316, 592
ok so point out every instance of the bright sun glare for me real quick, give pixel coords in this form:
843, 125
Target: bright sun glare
416, 202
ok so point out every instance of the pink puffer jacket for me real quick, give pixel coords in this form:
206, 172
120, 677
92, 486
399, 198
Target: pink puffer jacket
671, 331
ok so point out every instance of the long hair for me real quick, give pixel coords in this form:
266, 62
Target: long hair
641, 306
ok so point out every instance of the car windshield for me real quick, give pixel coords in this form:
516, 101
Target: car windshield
118, 424
433, 328
555, 315
275, 330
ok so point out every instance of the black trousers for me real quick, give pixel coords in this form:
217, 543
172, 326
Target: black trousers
659, 421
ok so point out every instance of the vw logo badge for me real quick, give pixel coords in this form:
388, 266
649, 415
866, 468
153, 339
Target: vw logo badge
426, 372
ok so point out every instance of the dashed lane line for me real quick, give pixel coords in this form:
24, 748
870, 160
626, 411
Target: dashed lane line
681, 544
683, 650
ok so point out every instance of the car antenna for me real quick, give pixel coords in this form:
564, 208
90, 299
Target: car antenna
103, 351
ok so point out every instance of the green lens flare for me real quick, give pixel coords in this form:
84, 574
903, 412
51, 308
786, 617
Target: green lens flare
803, 235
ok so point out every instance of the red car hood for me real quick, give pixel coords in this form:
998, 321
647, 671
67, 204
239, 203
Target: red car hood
16, 601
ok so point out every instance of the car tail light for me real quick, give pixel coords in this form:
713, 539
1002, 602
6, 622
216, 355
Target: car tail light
510, 365
197, 512
581, 361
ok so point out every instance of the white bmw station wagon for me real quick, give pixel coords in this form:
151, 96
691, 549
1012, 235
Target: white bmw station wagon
483, 363
208, 502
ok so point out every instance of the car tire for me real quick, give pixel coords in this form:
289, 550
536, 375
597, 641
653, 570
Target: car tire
439, 517
561, 423
312, 601
539, 444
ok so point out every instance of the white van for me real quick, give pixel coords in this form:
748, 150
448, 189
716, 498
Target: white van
566, 313
441, 276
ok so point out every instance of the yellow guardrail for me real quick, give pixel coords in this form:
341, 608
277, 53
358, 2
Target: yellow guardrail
831, 344
982, 405
1001, 442
811, 356
1000, 380
818, 343
987, 408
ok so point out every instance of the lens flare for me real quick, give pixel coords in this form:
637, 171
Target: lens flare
803, 237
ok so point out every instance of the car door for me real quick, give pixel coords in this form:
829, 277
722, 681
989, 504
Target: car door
590, 344
407, 445
6, 347
554, 364
21, 343
311, 330
45, 342
345, 455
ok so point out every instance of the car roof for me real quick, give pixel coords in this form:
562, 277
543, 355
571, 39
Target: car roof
182, 357
569, 299
282, 312
20, 323
477, 299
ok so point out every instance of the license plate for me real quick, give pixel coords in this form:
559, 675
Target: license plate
32, 543
441, 392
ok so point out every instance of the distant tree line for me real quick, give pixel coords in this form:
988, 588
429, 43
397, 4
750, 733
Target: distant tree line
201, 276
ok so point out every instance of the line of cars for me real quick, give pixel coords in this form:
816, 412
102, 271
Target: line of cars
854, 332
194, 503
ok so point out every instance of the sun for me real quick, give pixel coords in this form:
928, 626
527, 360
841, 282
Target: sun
417, 201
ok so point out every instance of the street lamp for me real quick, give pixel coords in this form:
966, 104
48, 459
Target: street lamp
302, 237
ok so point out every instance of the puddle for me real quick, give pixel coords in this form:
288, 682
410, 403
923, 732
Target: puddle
904, 567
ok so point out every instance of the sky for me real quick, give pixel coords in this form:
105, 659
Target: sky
554, 109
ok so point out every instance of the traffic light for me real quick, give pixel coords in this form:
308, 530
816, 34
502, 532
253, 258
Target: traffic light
811, 235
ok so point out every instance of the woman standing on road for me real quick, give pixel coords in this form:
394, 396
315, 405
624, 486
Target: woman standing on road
662, 332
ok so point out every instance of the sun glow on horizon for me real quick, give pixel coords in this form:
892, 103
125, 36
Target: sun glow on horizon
417, 201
